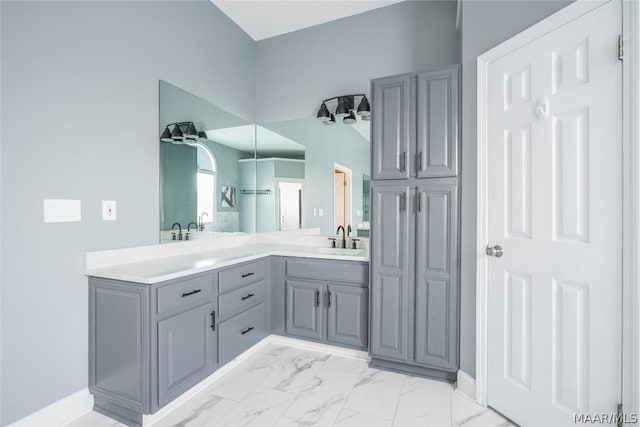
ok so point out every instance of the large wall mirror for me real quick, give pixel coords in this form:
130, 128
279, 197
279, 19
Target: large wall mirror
226, 175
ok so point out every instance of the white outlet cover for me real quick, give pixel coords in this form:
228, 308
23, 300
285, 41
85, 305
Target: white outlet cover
321, 212
108, 210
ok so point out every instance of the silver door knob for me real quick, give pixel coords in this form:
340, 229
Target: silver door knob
495, 251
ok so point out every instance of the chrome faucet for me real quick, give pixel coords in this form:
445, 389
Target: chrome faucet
173, 227
201, 220
344, 239
349, 230
188, 235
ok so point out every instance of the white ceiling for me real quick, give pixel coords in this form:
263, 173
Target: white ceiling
262, 19
243, 138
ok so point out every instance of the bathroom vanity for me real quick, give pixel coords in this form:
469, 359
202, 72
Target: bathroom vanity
153, 338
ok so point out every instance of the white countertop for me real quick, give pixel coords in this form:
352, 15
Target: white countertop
172, 267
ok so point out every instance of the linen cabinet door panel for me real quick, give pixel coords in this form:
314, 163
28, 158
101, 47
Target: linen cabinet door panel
390, 269
347, 315
304, 309
185, 351
392, 139
437, 123
436, 329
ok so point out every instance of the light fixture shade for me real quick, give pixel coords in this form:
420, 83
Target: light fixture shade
365, 118
350, 119
364, 109
177, 134
331, 121
191, 132
166, 135
323, 113
202, 134
342, 110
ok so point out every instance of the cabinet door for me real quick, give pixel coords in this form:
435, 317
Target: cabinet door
436, 330
437, 122
390, 269
347, 315
185, 351
391, 137
304, 309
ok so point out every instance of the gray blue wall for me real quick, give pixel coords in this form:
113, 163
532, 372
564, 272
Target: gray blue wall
80, 121
296, 71
485, 24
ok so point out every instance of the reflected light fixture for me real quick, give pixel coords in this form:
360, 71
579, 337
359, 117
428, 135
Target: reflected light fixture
182, 133
345, 110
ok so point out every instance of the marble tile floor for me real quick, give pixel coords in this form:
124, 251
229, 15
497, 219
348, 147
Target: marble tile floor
287, 386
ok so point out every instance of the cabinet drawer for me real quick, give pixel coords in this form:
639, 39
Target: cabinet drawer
184, 292
241, 332
241, 275
239, 300
337, 271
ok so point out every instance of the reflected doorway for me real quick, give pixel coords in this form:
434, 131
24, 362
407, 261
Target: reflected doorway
289, 205
341, 196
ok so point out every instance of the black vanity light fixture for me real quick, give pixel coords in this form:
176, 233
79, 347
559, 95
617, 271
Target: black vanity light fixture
345, 110
182, 132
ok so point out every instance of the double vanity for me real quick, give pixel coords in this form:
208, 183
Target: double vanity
166, 317
163, 324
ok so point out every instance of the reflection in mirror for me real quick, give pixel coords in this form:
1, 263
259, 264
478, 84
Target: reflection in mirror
318, 181
200, 177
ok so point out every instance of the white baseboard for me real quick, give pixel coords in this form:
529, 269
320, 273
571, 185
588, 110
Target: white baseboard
78, 404
59, 413
466, 385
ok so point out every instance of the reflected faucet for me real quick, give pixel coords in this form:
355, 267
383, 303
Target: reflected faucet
173, 227
188, 235
349, 230
201, 220
344, 239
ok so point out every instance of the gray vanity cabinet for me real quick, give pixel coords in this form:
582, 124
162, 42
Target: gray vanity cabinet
305, 308
415, 125
185, 351
148, 344
324, 300
390, 263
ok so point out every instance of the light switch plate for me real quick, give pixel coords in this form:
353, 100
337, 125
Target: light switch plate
62, 210
108, 210
320, 212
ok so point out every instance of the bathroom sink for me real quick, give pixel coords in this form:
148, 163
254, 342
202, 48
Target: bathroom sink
339, 251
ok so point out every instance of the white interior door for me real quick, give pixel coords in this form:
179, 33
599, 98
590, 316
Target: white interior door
555, 207
290, 196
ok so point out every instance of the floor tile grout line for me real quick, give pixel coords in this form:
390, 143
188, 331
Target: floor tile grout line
395, 412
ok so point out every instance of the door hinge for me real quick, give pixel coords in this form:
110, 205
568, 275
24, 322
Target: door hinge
620, 416
620, 48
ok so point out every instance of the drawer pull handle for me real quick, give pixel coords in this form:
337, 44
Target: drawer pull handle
246, 331
248, 274
195, 291
247, 297
329, 299
213, 320
317, 298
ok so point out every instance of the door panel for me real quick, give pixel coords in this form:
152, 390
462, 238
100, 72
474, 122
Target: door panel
390, 269
391, 136
304, 304
436, 330
554, 205
437, 119
184, 352
347, 315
